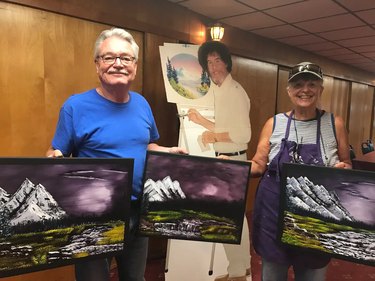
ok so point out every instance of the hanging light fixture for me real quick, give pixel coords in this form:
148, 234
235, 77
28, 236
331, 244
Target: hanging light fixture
217, 32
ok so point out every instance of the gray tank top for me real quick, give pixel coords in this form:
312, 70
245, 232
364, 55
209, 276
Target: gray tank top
305, 131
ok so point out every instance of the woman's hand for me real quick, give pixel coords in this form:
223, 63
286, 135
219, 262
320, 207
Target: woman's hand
343, 165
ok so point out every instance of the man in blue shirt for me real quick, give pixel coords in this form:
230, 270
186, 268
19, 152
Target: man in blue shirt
107, 122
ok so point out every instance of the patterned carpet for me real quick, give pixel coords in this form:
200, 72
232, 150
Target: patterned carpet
338, 270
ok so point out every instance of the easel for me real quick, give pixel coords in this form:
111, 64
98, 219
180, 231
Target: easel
192, 260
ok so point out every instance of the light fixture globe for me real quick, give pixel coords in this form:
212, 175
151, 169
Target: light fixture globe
217, 32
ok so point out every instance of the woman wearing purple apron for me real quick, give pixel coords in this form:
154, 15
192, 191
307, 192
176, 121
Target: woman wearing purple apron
304, 135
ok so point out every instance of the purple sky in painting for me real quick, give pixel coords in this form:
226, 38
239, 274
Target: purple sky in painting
355, 188
200, 177
96, 189
359, 199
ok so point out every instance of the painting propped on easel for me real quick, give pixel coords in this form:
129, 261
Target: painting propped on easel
187, 85
185, 81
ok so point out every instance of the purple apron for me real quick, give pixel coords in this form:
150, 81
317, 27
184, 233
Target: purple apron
266, 209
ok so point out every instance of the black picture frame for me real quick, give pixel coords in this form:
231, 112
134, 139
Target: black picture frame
194, 198
363, 165
59, 211
328, 211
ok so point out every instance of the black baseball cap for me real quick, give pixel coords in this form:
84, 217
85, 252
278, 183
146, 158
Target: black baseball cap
311, 69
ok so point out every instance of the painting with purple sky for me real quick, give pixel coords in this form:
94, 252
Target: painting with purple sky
194, 198
59, 211
329, 211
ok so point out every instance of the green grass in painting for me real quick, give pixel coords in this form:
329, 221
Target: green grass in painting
313, 226
51, 240
181, 90
113, 236
209, 232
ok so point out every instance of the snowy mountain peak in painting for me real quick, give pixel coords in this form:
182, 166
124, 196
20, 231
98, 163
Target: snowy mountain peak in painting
163, 190
304, 194
4, 197
32, 203
19, 196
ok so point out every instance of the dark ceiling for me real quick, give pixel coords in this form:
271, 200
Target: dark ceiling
342, 30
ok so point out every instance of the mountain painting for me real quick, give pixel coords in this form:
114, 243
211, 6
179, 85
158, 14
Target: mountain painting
329, 211
194, 198
55, 212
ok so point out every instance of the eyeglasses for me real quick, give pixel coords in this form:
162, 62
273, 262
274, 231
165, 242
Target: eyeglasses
310, 67
108, 59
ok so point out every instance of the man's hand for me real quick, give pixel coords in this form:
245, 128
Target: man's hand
54, 153
177, 150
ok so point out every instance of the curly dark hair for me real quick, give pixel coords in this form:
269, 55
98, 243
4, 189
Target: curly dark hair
210, 47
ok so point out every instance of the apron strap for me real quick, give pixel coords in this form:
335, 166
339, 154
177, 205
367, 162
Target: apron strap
318, 130
286, 136
283, 143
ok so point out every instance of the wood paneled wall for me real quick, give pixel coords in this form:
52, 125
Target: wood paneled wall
283, 101
46, 58
361, 113
259, 80
165, 113
336, 97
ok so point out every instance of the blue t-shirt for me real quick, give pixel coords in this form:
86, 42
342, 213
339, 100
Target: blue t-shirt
92, 126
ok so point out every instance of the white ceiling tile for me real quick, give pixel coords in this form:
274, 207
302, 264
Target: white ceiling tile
252, 21
331, 23
364, 49
307, 10
216, 9
302, 40
359, 59
346, 56
369, 55
357, 5
347, 33
319, 46
262, 4
365, 41
367, 16
339, 51
280, 31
